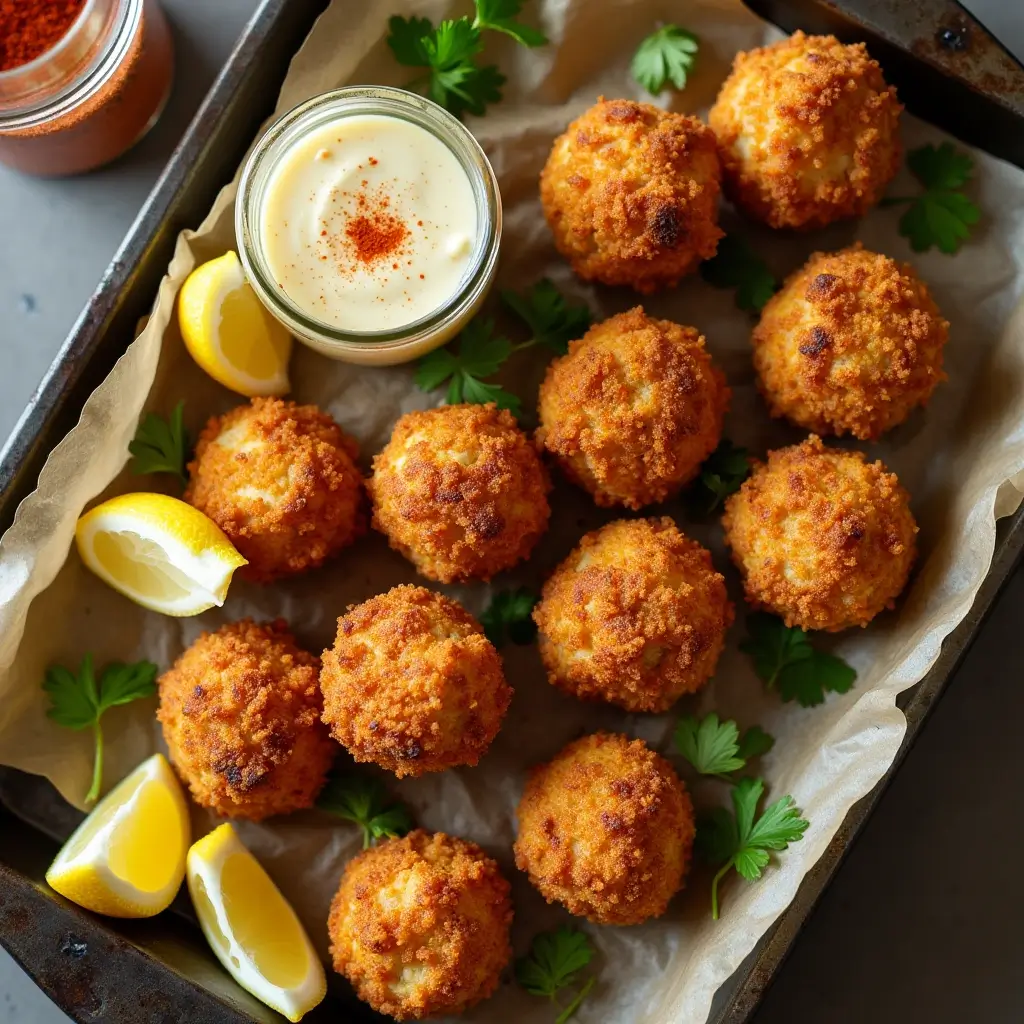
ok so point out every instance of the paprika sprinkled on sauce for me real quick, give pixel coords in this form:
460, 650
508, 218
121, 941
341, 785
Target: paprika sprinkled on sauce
368, 223
28, 28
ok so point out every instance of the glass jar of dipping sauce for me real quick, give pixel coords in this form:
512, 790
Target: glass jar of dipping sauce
368, 221
91, 95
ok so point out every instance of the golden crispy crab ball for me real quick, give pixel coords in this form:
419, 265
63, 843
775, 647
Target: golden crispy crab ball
240, 711
851, 344
460, 491
606, 829
808, 132
631, 194
636, 615
412, 684
822, 537
420, 925
633, 409
281, 481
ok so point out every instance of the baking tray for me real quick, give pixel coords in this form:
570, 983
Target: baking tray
946, 67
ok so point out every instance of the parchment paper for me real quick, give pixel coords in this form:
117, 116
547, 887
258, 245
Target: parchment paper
960, 460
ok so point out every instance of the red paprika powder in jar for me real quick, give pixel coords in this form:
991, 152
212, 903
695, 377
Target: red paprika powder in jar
81, 81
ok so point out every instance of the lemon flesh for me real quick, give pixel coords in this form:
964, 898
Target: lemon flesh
251, 927
158, 551
127, 859
229, 333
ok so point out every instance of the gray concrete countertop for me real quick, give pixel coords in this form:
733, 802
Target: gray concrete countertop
923, 920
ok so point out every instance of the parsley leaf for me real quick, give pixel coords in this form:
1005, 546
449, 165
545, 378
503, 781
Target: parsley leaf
722, 473
500, 15
554, 963
744, 841
363, 800
544, 310
715, 748
509, 616
941, 215
161, 446
665, 56
736, 265
784, 658
448, 54
79, 701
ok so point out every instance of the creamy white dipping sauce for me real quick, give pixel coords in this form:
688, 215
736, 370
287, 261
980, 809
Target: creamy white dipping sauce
369, 223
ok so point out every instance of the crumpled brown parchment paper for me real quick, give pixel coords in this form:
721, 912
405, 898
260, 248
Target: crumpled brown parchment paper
962, 461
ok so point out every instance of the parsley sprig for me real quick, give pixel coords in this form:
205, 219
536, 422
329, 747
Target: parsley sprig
741, 841
941, 215
736, 265
784, 659
448, 53
667, 55
480, 351
722, 473
553, 964
78, 701
364, 801
716, 748
509, 616
161, 446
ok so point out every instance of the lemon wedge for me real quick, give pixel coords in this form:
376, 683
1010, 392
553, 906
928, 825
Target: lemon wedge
228, 331
158, 551
251, 927
127, 859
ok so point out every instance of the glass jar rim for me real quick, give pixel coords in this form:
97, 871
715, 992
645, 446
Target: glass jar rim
85, 78
352, 101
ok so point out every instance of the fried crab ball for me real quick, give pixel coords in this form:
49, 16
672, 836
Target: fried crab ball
412, 683
281, 481
633, 409
606, 829
240, 711
808, 132
460, 491
821, 537
420, 925
636, 615
631, 194
851, 344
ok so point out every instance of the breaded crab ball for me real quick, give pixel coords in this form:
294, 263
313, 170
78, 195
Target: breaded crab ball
606, 828
631, 194
281, 481
808, 131
636, 615
851, 344
412, 683
420, 925
822, 537
460, 491
633, 409
240, 711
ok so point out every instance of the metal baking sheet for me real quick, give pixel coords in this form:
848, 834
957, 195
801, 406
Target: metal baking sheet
126, 972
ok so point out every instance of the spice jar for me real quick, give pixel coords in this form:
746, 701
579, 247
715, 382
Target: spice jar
368, 221
94, 89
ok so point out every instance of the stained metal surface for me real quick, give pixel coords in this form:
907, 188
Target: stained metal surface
946, 67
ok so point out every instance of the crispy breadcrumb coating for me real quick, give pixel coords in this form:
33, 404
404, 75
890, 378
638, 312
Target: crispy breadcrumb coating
631, 194
460, 491
808, 132
281, 481
606, 828
633, 409
412, 683
851, 344
821, 536
240, 711
420, 925
636, 615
